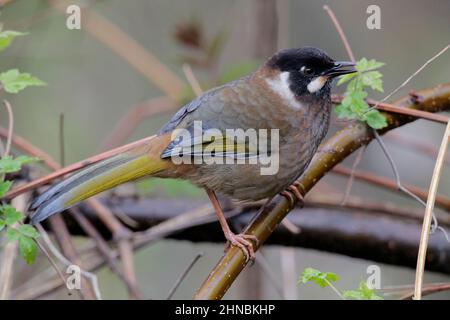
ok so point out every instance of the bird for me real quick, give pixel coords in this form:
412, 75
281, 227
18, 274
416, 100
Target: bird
285, 103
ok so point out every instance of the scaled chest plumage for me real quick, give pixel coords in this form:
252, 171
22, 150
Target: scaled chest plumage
257, 102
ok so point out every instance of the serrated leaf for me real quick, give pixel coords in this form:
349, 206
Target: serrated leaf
375, 119
12, 234
4, 187
320, 278
373, 80
28, 249
11, 215
9, 164
372, 64
345, 78
7, 36
344, 111
13, 81
363, 293
29, 231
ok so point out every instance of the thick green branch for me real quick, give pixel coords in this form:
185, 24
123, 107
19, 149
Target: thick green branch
334, 151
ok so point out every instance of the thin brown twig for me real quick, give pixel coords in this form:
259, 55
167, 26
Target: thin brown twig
338, 27
365, 176
10, 127
193, 82
355, 164
125, 127
404, 83
183, 275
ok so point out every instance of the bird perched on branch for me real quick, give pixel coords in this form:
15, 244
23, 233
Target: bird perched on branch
248, 139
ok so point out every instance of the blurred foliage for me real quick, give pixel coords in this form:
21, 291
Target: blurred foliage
354, 104
12, 81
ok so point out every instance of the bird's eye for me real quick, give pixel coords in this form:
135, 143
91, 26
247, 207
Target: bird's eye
306, 71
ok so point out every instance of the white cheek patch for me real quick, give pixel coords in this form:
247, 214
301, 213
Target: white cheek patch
317, 84
280, 85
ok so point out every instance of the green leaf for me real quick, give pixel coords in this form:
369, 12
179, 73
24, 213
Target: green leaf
12, 234
345, 78
373, 80
7, 36
375, 119
9, 164
344, 111
363, 293
322, 279
13, 81
29, 231
28, 249
2, 224
11, 215
4, 187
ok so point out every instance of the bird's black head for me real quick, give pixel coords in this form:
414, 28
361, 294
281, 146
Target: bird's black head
308, 70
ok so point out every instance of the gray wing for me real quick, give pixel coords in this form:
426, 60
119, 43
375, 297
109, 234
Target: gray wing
210, 109
206, 98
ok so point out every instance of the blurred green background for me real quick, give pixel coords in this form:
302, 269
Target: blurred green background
94, 88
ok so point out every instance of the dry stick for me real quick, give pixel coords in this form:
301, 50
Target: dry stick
341, 32
366, 176
350, 54
10, 127
429, 214
344, 142
92, 277
193, 82
126, 126
420, 146
428, 289
355, 164
104, 249
183, 275
412, 76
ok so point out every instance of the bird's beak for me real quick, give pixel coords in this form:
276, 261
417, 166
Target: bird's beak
340, 68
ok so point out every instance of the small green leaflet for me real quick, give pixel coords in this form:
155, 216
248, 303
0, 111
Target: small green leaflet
7, 36
28, 231
13, 81
354, 105
322, 279
363, 293
10, 215
9, 164
28, 249
4, 187
25, 234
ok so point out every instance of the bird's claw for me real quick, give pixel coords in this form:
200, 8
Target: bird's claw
292, 191
243, 242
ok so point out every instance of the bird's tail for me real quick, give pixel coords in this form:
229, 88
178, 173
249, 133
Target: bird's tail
101, 176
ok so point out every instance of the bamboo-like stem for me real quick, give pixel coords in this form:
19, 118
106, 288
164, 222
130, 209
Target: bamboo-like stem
421, 257
343, 143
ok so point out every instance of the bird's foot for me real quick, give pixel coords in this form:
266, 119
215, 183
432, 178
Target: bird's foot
243, 242
292, 191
